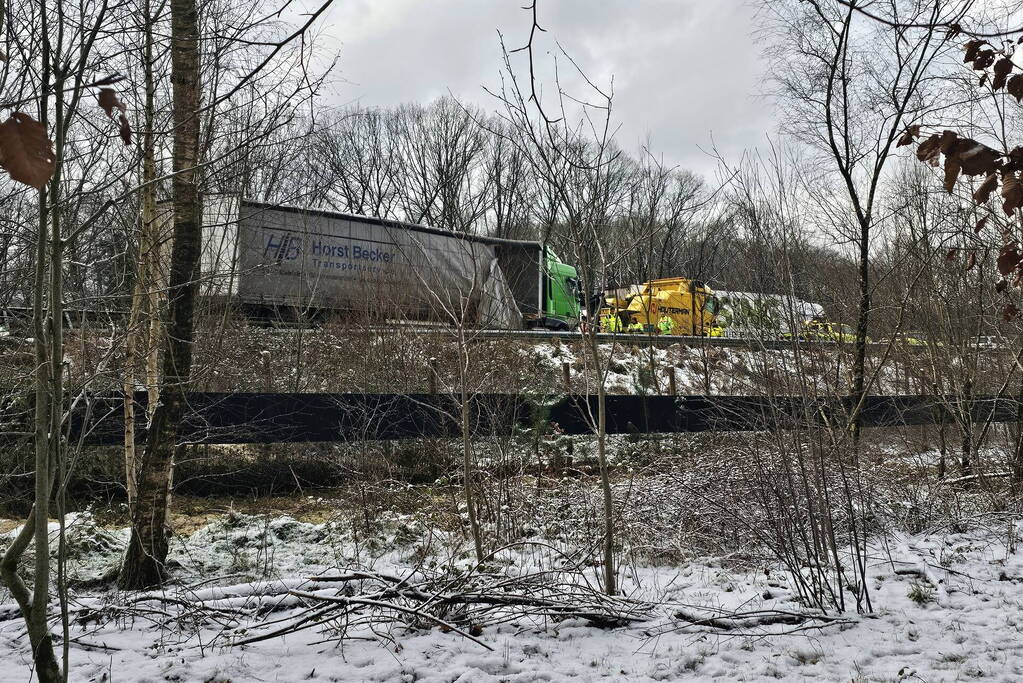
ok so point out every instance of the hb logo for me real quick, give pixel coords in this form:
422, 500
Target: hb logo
282, 247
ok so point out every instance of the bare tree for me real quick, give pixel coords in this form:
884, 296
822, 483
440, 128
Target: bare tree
439, 150
852, 104
142, 334
194, 148
66, 58
147, 547
581, 172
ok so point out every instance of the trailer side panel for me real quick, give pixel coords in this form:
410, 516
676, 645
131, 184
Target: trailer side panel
377, 269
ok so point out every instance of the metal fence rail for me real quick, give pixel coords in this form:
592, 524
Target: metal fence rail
238, 418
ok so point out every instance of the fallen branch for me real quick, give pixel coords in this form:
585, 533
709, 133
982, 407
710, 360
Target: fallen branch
975, 477
341, 600
745, 620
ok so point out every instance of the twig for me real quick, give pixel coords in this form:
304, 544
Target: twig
389, 605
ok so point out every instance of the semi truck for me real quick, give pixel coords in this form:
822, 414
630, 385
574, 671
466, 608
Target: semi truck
663, 306
284, 260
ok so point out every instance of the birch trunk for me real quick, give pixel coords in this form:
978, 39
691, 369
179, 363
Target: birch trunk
144, 563
143, 322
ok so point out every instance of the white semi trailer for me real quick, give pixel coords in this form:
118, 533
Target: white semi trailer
274, 259
754, 315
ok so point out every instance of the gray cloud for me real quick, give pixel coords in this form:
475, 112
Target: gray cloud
684, 70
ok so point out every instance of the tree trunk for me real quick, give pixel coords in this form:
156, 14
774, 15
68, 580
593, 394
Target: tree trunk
467, 459
1017, 457
143, 324
144, 562
610, 582
49, 351
470, 502
34, 602
966, 460
862, 320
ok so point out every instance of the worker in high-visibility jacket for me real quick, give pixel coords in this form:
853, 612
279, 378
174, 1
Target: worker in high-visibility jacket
613, 323
666, 325
635, 327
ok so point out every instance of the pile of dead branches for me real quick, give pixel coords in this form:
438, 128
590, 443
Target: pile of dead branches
359, 602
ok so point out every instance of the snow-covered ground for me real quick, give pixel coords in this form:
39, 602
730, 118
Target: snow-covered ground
947, 607
634, 369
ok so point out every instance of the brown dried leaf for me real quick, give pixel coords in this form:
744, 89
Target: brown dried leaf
948, 140
972, 48
950, 256
107, 80
1008, 259
1015, 87
1003, 67
1001, 286
952, 168
963, 155
1012, 192
1009, 313
983, 60
26, 151
908, 136
980, 225
1014, 160
974, 157
982, 80
971, 260
929, 150
985, 189
124, 130
108, 101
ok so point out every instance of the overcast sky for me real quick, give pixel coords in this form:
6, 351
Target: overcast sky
684, 70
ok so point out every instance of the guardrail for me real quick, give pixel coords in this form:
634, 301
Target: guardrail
608, 338
76, 317
648, 339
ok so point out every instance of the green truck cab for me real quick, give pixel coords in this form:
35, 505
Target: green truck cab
560, 295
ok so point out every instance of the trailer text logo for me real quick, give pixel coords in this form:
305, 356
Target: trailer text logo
282, 248
356, 252
361, 257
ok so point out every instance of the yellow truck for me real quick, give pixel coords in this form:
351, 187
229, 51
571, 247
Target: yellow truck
673, 305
